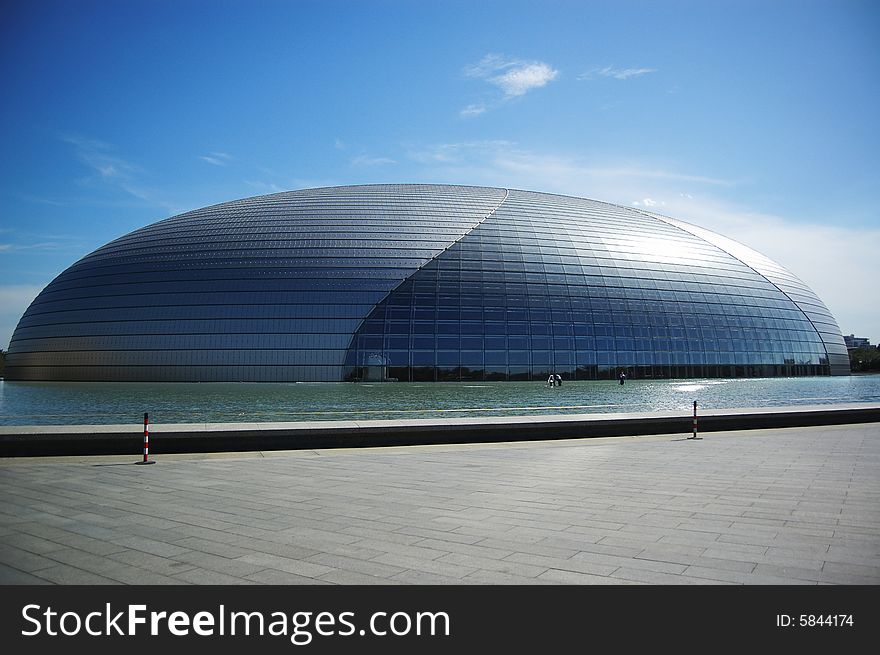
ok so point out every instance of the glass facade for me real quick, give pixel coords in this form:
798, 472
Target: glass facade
422, 282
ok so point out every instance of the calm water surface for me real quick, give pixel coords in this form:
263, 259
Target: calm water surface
71, 403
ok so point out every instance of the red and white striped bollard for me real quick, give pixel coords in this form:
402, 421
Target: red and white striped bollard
146, 459
695, 422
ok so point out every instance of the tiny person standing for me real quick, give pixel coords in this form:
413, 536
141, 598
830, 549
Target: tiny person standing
622, 378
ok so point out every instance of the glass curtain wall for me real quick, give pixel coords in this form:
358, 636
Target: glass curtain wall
422, 282
586, 290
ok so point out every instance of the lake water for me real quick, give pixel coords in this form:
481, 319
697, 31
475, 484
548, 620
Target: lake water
87, 403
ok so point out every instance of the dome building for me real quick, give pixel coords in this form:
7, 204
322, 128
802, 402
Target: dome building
422, 283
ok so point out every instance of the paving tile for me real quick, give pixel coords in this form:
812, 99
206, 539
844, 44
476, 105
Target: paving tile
152, 563
646, 576
351, 564
672, 553
347, 577
23, 560
787, 573
758, 507
742, 565
209, 546
855, 573
632, 560
12, 576
445, 569
486, 577
374, 533
470, 549
70, 575
757, 577
198, 576
600, 566
71, 538
353, 551
160, 548
440, 535
30, 543
534, 548
560, 576
115, 570
417, 577
854, 552
233, 567
608, 545
741, 552
687, 537
277, 577
504, 566
417, 551
298, 567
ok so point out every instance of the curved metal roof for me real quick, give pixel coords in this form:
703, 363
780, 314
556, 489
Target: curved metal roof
308, 285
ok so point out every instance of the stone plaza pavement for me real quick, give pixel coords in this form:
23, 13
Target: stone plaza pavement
781, 506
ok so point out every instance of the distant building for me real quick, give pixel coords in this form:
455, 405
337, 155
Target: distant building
852, 342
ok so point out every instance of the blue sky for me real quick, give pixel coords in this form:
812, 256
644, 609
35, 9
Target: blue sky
755, 119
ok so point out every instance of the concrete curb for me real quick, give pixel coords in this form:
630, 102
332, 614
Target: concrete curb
18, 441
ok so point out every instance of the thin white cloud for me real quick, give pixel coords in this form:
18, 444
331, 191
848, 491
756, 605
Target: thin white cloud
43, 200
216, 158
114, 171
487, 66
514, 77
40, 246
617, 73
563, 171
473, 110
284, 183
314, 183
504, 163
339, 144
523, 78
648, 202
98, 156
16, 241
264, 187
366, 160
458, 152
